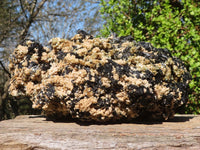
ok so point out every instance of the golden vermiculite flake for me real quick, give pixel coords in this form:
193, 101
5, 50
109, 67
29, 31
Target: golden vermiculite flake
99, 79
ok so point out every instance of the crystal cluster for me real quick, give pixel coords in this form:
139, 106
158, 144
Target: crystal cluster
99, 79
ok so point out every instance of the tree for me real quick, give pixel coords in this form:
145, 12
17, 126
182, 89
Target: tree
171, 24
14, 28
7, 15
63, 19
39, 20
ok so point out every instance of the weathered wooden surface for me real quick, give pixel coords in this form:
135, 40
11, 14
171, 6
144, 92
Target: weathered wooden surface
32, 132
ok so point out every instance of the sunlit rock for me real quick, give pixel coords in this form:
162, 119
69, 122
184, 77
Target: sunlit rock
99, 79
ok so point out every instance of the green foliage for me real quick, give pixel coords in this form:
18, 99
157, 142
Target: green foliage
170, 24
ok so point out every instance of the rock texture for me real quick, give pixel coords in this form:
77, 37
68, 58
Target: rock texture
35, 133
96, 79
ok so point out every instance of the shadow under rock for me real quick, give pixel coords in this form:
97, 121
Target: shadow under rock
122, 121
177, 118
181, 118
37, 116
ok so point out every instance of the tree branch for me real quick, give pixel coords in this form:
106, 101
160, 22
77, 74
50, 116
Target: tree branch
57, 14
5, 69
22, 7
31, 19
38, 8
32, 9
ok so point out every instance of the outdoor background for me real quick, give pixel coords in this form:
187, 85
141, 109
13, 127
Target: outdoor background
171, 24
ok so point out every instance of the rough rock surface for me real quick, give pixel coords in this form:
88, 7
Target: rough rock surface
96, 79
35, 133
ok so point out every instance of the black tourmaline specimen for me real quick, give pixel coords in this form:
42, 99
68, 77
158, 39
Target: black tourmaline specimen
98, 79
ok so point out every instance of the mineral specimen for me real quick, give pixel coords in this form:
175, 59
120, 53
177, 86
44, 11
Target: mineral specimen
99, 79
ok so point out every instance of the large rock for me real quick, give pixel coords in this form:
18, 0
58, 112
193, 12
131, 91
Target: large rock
97, 79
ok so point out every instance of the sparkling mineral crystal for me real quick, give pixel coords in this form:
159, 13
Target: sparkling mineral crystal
99, 79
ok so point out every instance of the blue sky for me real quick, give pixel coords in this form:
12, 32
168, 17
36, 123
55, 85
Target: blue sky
67, 28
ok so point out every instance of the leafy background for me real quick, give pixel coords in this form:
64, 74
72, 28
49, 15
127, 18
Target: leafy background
171, 24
